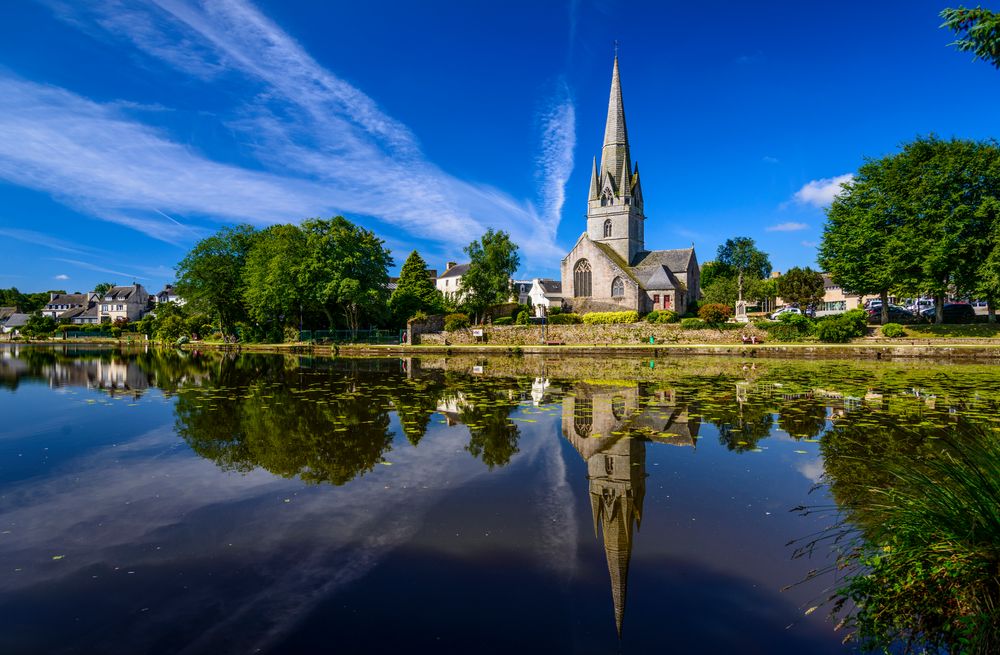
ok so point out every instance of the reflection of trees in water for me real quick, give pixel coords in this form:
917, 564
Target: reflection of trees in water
493, 437
919, 545
741, 425
803, 418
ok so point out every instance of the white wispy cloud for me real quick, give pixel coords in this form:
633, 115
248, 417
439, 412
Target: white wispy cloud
62, 276
324, 145
820, 193
767, 159
554, 163
98, 268
38, 238
809, 244
787, 227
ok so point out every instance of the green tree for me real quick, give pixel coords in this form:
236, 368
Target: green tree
101, 288
345, 269
801, 286
415, 291
741, 255
861, 241
492, 262
210, 277
978, 32
38, 325
273, 288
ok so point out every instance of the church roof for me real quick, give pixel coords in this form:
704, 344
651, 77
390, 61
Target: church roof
655, 277
675, 260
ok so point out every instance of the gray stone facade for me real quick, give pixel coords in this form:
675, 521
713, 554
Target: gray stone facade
609, 268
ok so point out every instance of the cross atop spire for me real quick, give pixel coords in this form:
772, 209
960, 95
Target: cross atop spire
615, 153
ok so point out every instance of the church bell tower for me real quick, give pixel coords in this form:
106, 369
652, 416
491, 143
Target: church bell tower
614, 208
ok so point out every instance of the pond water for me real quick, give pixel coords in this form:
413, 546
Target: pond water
164, 502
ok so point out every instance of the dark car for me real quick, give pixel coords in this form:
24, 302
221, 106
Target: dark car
954, 312
897, 314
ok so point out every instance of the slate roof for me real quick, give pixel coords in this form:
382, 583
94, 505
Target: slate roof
17, 320
550, 286
76, 311
7, 312
522, 288
68, 299
655, 277
120, 293
674, 260
455, 271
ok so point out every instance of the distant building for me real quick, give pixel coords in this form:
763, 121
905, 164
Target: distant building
168, 294
14, 323
450, 282
609, 268
60, 303
544, 295
521, 290
128, 302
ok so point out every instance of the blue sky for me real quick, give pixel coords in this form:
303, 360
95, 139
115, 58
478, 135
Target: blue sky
128, 130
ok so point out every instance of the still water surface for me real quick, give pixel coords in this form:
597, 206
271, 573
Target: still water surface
167, 502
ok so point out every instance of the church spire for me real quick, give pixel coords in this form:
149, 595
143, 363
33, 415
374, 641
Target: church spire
595, 185
615, 154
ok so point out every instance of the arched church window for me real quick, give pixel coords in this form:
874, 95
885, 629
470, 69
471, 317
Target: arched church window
606, 198
581, 279
583, 416
607, 228
617, 288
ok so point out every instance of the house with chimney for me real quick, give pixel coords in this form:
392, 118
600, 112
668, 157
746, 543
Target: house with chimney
61, 303
450, 282
129, 303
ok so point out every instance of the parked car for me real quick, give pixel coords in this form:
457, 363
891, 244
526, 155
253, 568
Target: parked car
785, 310
897, 314
954, 312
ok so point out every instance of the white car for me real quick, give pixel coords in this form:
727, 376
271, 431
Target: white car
785, 310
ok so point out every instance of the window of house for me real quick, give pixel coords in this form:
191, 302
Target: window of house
121, 307
581, 279
656, 299
617, 288
607, 228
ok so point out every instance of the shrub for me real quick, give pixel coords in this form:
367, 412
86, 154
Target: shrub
715, 313
692, 323
290, 335
418, 316
662, 316
182, 340
523, 318
836, 330
603, 318
454, 322
893, 330
783, 332
555, 310
858, 320
116, 331
564, 319
802, 323
503, 320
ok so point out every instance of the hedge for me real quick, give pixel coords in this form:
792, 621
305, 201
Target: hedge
602, 318
693, 324
564, 319
454, 322
893, 330
662, 316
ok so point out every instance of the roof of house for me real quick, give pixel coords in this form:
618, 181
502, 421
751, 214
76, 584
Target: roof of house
17, 320
457, 270
522, 287
676, 260
76, 311
68, 299
550, 286
120, 293
7, 312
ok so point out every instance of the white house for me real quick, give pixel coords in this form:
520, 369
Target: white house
544, 295
123, 302
60, 303
450, 282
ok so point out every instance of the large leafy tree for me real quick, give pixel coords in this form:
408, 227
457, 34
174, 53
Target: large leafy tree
415, 290
801, 286
210, 277
102, 287
861, 234
274, 290
493, 260
978, 32
345, 270
741, 255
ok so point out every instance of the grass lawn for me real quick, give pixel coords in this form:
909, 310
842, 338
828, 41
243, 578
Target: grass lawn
953, 330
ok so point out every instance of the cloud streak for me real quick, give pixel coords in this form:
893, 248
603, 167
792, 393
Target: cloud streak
820, 193
787, 227
322, 145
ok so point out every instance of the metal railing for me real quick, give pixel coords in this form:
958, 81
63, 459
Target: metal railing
384, 337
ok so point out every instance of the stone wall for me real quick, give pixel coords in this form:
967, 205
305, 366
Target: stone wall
416, 328
634, 333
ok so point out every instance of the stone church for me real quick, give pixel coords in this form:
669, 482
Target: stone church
609, 268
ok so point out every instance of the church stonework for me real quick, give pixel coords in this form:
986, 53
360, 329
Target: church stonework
609, 268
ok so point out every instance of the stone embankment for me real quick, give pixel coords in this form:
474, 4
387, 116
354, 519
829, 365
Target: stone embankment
587, 335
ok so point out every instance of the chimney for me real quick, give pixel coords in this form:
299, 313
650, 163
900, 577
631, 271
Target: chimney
450, 265
52, 295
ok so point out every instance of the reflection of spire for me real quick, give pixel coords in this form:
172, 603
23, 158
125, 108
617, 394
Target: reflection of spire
617, 487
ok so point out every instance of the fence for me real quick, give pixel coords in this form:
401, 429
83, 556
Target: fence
87, 334
389, 337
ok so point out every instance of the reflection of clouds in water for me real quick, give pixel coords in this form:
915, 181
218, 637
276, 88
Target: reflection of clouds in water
558, 532
150, 505
812, 469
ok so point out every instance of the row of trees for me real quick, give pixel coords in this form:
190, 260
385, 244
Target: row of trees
925, 220
330, 273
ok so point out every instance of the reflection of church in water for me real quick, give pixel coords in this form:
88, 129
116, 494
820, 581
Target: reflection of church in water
609, 426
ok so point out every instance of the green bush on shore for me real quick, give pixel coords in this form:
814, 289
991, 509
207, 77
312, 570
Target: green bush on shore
661, 316
564, 319
453, 322
691, 323
605, 318
893, 330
